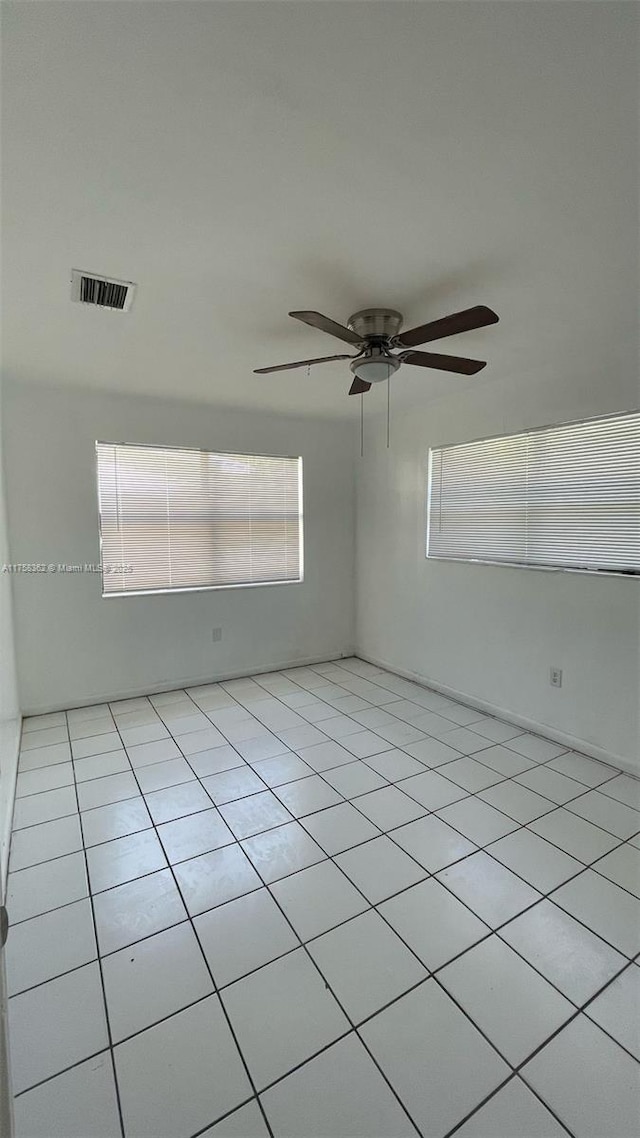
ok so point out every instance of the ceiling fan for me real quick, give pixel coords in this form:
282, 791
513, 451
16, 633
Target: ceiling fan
375, 332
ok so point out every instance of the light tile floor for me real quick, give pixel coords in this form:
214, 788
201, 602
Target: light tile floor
320, 903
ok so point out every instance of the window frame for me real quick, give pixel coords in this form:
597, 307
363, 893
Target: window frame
173, 590
619, 574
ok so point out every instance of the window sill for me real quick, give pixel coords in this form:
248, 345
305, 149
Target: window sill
199, 589
620, 573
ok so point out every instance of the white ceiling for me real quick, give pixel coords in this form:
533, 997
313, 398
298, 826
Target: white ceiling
238, 160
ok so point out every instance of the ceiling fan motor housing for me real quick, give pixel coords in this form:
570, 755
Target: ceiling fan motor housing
376, 323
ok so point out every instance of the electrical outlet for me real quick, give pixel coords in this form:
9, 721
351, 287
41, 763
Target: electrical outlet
216, 634
555, 677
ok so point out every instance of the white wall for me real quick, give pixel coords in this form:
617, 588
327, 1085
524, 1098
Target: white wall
9, 709
491, 632
73, 645
487, 632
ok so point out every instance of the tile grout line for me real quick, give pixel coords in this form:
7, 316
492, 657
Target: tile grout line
515, 1077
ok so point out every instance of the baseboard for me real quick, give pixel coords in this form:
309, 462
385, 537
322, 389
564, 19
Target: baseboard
10, 745
544, 729
190, 682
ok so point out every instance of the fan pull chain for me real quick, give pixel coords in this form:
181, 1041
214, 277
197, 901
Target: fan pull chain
388, 407
361, 424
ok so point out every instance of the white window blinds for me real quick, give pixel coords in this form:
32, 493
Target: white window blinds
563, 497
191, 519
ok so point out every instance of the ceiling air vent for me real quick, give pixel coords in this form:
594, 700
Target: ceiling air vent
101, 292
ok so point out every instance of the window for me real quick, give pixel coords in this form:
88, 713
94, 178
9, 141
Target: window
174, 519
565, 497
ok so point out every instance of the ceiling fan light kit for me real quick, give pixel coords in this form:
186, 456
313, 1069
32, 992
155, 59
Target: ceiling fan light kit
374, 366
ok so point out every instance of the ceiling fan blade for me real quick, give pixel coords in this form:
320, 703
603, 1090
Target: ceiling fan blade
299, 363
478, 317
443, 363
359, 386
317, 320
